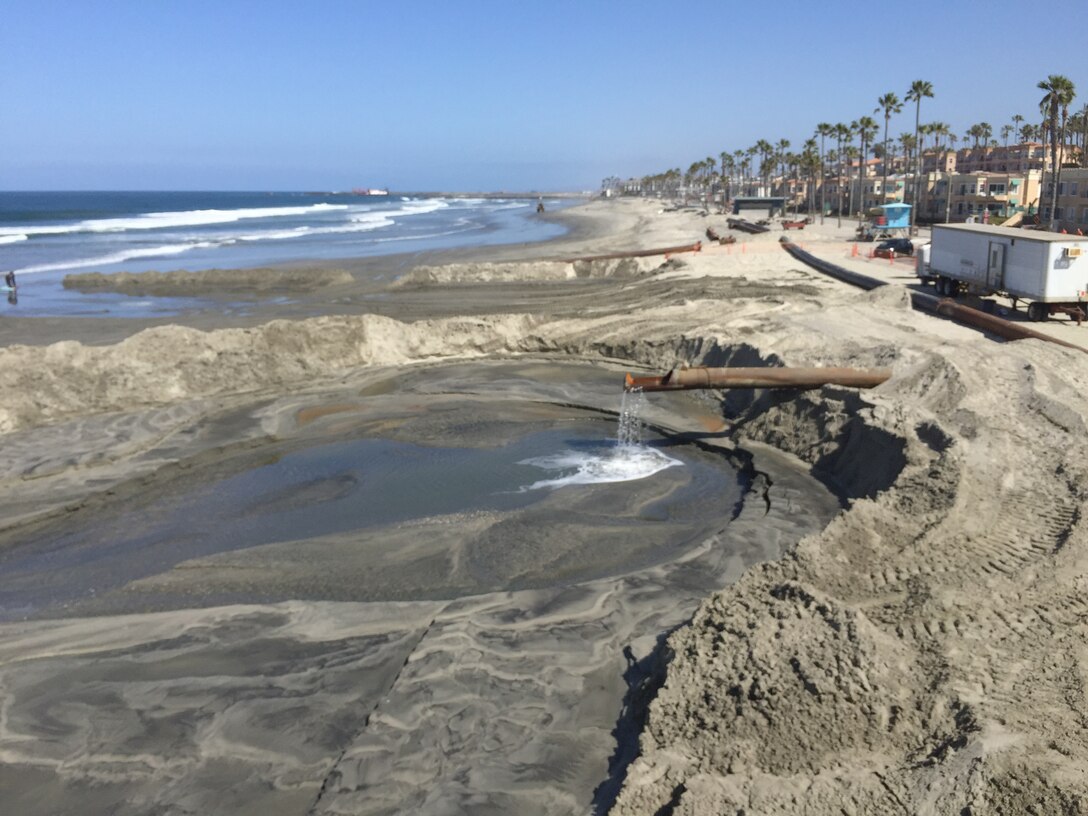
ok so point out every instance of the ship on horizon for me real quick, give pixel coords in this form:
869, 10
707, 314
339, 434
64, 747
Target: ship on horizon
369, 191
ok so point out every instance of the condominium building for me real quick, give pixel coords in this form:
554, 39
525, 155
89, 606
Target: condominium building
978, 195
1072, 211
1016, 158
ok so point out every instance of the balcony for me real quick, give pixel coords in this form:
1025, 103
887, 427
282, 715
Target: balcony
983, 198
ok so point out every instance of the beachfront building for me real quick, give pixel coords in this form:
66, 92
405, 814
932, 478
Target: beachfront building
991, 197
1016, 158
873, 193
1072, 212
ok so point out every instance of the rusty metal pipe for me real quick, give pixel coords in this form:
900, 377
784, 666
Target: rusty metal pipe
1006, 329
637, 253
688, 378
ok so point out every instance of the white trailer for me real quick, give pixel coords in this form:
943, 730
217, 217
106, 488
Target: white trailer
1048, 269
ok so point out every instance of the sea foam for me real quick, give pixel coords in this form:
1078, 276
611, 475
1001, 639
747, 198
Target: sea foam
168, 220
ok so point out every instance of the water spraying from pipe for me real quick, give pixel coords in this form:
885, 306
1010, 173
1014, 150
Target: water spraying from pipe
625, 461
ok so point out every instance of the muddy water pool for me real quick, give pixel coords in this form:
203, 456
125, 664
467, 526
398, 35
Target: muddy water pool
399, 495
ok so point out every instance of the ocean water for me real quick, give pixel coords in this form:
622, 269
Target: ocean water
46, 235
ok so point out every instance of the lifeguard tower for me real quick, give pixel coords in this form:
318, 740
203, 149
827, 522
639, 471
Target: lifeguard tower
886, 221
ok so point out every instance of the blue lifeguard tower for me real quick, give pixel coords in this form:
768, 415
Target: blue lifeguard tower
887, 221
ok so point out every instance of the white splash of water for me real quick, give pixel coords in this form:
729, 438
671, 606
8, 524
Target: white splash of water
629, 459
619, 464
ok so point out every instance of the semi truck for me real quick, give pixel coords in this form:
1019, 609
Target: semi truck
1047, 269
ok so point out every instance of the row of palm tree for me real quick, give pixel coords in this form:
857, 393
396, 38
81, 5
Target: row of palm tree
1058, 97
741, 170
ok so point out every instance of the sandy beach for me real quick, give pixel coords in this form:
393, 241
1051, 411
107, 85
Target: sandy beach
890, 619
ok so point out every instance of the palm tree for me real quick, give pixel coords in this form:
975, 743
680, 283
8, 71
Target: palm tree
1079, 123
850, 153
939, 131
1059, 94
922, 188
919, 89
985, 132
810, 161
781, 150
866, 130
1016, 120
948, 198
889, 104
823, 130
908, 142
843, 134
726, 160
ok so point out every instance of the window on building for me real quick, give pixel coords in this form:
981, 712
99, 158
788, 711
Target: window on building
1072, 188
959, 208
1058, 215
1084, 215
996, 189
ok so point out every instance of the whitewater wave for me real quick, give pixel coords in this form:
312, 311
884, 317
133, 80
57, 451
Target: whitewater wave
12, 238
120, 257
167, 220
623, 463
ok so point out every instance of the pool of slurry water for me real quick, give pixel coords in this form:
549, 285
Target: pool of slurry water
559, 503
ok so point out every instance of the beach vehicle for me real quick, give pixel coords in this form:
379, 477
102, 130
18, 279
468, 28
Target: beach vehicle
1048, 269
894, 247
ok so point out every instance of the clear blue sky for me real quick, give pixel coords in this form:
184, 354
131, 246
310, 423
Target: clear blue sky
331, 94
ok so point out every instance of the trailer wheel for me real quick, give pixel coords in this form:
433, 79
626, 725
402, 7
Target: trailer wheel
1037, 311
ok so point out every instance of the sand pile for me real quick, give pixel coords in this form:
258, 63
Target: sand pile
181, 283
536, 271
924, 653
173, 363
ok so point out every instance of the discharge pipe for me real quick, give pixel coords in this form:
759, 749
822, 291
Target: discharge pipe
680, 379
638, 253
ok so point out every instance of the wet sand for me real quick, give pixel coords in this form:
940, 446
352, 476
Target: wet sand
891, 623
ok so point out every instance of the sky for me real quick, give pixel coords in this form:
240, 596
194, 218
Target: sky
472, 95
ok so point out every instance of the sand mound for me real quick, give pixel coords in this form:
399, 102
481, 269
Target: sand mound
536, 271
181, 283
174, 363
911, 657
